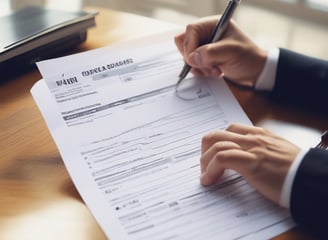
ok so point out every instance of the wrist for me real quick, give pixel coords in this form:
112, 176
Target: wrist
267, 77
289, 180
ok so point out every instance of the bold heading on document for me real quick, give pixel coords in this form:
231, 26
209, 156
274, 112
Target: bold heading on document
107, 67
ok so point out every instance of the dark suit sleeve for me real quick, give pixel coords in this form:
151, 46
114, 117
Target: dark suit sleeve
302, 81
309, 196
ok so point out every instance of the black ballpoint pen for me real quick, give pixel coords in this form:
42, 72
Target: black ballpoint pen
216, 35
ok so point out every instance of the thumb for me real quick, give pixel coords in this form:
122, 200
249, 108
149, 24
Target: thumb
195, 59
213, 54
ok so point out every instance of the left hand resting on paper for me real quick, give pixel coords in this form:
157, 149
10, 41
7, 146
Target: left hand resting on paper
260, 156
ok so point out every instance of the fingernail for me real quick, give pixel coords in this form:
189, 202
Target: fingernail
195, 59
205, 180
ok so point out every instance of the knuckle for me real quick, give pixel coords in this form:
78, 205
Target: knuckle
208, 137
177, 39
257, 140
257, 165
232, 126
219, 157
261, 131
209, 55
234, 46
218, 146
259, 151
191, 27
262, 141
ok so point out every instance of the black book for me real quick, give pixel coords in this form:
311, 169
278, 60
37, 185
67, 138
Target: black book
37, 33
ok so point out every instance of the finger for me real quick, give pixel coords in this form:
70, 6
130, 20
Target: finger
245, 129
198, 33
179, 39
207, 72
216, 54
255, 137
218, 136
245, 141
213, 150
192, 38
235, 159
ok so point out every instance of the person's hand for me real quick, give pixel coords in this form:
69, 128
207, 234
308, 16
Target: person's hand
260, 156
235, 56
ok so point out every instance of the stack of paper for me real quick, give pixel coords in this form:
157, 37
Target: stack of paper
132, 145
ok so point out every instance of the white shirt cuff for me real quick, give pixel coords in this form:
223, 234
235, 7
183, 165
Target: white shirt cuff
267, 78
289, 180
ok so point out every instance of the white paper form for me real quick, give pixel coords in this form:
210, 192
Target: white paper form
132, 146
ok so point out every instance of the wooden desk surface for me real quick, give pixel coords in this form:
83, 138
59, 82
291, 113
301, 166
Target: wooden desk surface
37, 197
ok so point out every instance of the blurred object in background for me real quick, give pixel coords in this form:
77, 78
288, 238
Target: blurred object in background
300, 25
35, 33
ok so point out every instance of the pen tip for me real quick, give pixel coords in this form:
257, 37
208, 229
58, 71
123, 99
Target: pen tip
179, 80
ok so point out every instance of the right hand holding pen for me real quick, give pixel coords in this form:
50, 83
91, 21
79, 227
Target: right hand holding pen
235, 56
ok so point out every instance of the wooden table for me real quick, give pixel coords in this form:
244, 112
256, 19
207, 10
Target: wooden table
37, 197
